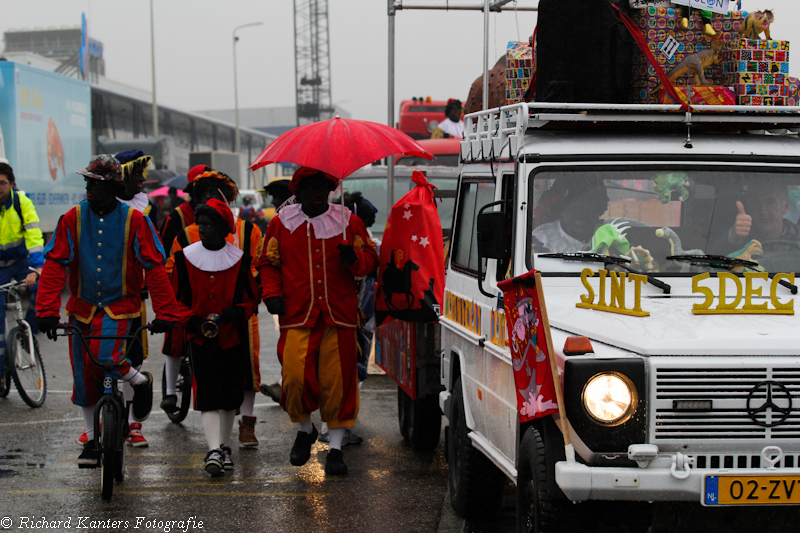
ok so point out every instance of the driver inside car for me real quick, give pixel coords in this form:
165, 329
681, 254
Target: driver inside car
568, 215
761, 217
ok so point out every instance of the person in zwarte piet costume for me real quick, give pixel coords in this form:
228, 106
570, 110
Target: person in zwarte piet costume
105, 251
247, 237
308, 278
214, 277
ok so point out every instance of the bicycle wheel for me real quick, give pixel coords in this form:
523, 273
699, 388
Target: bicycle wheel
119, 459
183, 390
108, 445
7, 372
29, 376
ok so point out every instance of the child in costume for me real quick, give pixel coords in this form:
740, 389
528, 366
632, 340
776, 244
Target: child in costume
214, 277
247, 237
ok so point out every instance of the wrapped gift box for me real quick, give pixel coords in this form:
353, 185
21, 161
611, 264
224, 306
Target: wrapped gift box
760, 44
702, 96
759, 78
794, 91
762, 100
519, 65
658, 23
757, 70
752, 89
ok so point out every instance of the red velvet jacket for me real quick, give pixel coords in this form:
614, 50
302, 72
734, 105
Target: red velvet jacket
307, 273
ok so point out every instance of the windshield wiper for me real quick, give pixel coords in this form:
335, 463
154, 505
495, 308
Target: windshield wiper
591, 257
723, 261
719, 261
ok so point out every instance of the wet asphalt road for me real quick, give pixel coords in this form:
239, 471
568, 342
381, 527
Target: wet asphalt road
390, 488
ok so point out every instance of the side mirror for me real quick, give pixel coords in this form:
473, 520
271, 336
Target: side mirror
493, 239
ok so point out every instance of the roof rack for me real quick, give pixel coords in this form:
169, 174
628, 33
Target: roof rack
496, 134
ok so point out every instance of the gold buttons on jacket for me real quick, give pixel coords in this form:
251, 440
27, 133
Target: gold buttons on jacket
211, 277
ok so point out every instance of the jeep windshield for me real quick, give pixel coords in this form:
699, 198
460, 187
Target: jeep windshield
648, 214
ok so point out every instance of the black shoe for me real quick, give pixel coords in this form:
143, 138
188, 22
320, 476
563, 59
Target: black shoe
334, 463
213, 462
301, 450
227, 462
90, 456
169, 403
143, 398
273, 391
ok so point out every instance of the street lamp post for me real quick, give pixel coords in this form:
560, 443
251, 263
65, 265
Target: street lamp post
235, 85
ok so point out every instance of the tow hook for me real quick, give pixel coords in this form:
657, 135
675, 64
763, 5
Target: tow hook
772, 455
681, 466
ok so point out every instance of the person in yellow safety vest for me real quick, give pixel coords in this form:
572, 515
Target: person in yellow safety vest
21, 247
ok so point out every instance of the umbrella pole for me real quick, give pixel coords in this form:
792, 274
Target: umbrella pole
341, 199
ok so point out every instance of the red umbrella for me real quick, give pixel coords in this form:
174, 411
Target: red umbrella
338, 146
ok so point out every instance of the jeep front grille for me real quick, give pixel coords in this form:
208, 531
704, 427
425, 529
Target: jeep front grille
727, 387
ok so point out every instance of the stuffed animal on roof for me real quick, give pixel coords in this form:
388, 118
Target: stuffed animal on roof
705, 16
756, 23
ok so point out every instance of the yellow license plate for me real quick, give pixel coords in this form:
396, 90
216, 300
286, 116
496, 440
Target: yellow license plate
751, 490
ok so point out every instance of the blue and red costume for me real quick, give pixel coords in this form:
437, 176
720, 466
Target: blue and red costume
108, 258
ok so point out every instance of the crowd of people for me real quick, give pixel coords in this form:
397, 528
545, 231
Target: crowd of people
205, 270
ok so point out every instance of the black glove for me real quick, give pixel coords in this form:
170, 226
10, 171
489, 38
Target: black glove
276, 306
47, 325
347, 254
234, 313
194, 325
161, 326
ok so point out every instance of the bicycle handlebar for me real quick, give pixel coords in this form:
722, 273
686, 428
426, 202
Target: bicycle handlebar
13, 284
71, 329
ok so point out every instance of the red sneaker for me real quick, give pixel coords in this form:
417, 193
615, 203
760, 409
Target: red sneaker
83, 439
135, 437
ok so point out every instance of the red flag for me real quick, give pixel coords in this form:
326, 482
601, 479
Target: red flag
528, 333
411, 268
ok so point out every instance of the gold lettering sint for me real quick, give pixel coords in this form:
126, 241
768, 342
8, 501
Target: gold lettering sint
617, 283
744, 294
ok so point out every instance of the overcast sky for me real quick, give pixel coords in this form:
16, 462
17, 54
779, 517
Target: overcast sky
438, 54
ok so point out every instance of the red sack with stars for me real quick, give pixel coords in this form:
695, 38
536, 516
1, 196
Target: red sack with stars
411, 267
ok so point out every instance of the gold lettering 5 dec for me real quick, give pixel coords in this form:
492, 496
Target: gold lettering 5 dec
616, 282
745, 293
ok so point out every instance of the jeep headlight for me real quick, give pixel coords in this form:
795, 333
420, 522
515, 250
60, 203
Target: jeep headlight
610, 398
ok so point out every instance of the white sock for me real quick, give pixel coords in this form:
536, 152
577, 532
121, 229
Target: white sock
324, 427
246, 409
306, 426
211, 425
173, 367
226, 425
134, 377
88, 421
335, 435
127, 391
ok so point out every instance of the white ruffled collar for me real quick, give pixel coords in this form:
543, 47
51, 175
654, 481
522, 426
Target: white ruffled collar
326, 226
138, 202
212, 260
